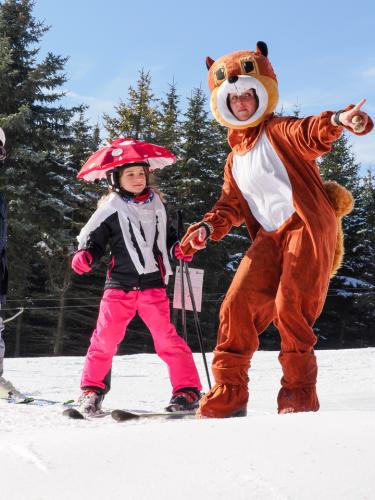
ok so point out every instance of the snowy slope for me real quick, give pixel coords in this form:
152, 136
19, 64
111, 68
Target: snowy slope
325, 455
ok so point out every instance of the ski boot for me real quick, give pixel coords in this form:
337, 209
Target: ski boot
184, 399
90, 402
8, 391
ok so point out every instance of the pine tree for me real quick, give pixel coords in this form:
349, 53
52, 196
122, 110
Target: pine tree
84, 140
341, 320
192, 172
368, 203
340, 165
36, 179
137, 117
169, 136
169, 122
366, 286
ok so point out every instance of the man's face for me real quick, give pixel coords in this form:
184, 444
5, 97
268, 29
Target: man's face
244, 105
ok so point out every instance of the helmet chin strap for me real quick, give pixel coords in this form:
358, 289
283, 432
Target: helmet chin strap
113, 180
128, 194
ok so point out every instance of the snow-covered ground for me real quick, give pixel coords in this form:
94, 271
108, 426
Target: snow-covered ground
327, 455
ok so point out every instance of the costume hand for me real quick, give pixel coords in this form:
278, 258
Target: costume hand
354, 118
179, 255
81, 262
197, 238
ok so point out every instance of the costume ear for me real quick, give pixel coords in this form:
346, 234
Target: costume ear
209, 62
262, 48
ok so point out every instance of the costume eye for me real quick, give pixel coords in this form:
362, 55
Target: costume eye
220, 74
247, 66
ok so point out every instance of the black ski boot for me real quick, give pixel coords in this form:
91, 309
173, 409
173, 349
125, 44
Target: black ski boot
184, 399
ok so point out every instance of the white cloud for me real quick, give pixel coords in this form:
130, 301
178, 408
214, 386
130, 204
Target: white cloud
78, 70
91, 100
119, 86
369, 72
96, 105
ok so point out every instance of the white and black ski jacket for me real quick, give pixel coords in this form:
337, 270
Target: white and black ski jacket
139, 237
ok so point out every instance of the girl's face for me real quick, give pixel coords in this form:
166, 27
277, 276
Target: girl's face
133, 179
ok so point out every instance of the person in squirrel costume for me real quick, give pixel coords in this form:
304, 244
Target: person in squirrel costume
272, 183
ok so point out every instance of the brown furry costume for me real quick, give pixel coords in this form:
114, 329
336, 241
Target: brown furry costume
285, 273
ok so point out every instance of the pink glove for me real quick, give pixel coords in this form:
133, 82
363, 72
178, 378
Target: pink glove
179, 255
81, 262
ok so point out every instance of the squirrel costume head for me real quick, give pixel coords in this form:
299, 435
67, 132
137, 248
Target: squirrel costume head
238, 73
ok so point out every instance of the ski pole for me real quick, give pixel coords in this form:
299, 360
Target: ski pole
14, 315
197, 324
180, 232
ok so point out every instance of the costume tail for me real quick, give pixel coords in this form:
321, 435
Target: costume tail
343, 203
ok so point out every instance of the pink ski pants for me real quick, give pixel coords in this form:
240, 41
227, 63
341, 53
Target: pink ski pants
117, 309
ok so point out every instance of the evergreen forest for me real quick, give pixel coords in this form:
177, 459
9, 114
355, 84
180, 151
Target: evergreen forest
47, 143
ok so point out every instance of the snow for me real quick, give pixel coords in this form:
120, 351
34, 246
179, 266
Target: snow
354, 282
327, 455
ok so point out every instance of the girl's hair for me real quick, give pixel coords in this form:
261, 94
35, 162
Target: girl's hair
151, 183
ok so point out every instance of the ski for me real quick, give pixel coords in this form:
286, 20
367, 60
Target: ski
75, 414
124, 415
29, 400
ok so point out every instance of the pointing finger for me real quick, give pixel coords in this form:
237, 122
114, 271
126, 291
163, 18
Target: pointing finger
359, 105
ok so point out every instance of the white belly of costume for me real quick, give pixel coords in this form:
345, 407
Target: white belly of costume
265, 184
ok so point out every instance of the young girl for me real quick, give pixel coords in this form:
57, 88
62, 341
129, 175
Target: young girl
133, 220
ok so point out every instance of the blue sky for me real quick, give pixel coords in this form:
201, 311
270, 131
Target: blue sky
323, 52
